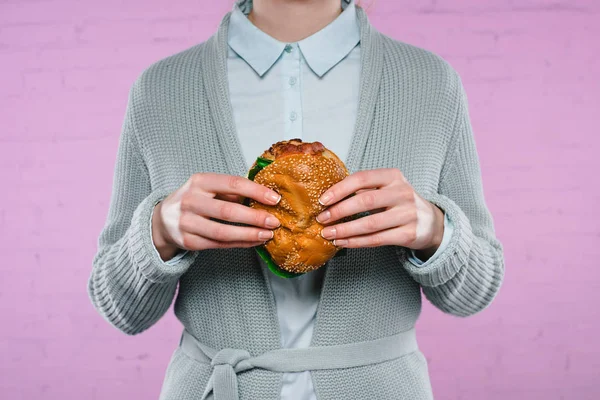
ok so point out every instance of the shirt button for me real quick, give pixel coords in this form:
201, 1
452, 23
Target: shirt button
292, 80
293, 116
288, 48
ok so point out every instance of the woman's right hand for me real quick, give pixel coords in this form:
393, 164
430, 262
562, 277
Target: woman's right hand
183, 219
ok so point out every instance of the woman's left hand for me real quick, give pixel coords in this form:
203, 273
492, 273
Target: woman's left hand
398, 215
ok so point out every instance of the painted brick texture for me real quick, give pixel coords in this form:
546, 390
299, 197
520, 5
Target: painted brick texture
530, 68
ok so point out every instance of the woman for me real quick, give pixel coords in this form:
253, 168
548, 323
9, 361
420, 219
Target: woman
396, 114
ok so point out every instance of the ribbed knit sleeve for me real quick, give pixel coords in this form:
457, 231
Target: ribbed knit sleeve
467, 275
130, 285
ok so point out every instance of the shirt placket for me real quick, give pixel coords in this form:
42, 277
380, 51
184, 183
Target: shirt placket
292, 97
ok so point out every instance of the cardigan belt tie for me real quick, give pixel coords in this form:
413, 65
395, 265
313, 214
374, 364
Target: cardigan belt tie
227, 363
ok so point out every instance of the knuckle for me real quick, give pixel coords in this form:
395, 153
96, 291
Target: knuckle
376, 240
186, 202
368, 199
260, 218
408, 196
226, 211
197, 179
188, 241
218, 233
372, 222
341, 230
362, 177
234, 182
337, 212
413, 214
396, 173
184, 222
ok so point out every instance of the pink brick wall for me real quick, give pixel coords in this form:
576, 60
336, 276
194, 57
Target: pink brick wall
531, 69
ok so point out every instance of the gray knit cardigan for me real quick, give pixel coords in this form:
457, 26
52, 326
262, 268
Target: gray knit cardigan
412, 115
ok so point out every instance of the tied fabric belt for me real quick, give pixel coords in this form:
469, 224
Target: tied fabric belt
227, 363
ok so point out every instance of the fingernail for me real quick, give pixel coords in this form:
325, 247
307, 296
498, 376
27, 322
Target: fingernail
325, 198
273, 197
272, 222
265, 235
324, 216
328, 233
340, 243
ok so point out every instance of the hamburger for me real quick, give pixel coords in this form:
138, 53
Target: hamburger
300, 172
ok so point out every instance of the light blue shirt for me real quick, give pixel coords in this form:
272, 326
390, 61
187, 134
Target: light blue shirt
307, 90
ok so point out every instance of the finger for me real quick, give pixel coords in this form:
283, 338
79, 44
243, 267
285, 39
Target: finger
363, 201
370, 179
195, 242
231, 212
400, 236
229, 245
217, 231
365, 225
237, 185
233, 198
375, 210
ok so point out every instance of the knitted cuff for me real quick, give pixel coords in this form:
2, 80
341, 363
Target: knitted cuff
456, 254
142, 250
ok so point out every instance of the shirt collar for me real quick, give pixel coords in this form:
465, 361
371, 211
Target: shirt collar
322, 50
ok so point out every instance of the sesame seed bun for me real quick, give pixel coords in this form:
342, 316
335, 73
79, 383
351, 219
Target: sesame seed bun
300, 172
